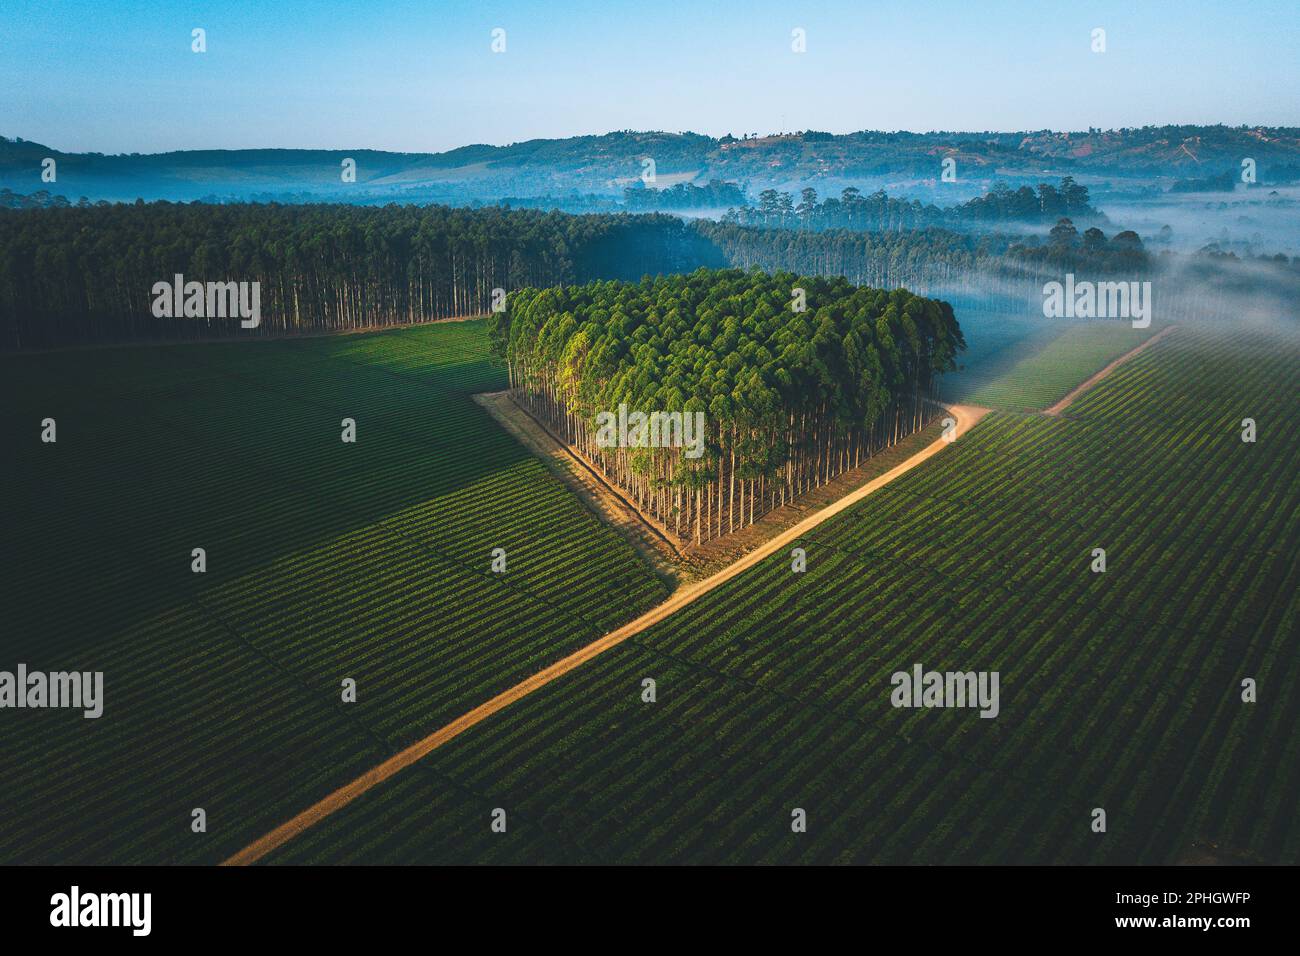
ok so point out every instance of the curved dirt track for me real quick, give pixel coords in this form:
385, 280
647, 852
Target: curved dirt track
1065, 403
966, 416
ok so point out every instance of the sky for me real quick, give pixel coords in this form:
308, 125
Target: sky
120, 76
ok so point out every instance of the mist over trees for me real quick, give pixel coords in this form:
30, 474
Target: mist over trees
1065, 248
716, 194
878, 212
72, 275
928, 256
588, 164
790, 398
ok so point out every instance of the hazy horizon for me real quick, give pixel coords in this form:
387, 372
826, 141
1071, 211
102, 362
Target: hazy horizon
423, 77
12, 135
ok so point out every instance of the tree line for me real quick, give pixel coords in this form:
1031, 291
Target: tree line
798, 379
72, 275
85, 274
1065, 249
922, 258
879, 212
716, 194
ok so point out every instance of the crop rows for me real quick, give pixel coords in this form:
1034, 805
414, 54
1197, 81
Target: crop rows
1042, 370
1119, 690
326, 560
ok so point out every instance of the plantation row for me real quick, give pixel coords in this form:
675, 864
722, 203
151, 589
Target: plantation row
751, 389
325, 560
1043, 372
1120, 690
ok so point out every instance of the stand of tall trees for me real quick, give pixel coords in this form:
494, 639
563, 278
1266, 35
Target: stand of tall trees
879, 212
934, 258
716, 194
790, 398
881, 259
72, 276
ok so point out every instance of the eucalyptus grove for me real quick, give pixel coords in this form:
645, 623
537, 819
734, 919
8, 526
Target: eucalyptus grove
71, 276
790, 398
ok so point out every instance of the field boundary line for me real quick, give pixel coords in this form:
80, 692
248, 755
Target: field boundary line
965, 416
601, 497
281, 336
1088, 383
658, 528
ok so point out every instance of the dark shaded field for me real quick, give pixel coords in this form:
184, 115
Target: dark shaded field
325, 561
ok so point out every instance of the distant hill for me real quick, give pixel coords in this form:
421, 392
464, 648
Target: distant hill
606, 164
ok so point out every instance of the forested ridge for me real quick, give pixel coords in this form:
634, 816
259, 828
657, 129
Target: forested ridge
790, 397
592, 163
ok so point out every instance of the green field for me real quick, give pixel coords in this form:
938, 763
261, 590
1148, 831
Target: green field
325, 560
1120, 690
1040, 368
371, 561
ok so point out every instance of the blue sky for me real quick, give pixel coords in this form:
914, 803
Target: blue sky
119, 76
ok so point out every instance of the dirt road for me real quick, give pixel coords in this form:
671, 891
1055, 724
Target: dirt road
965, 417
1065, 403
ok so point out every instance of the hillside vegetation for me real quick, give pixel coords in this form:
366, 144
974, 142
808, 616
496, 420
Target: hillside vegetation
607, 163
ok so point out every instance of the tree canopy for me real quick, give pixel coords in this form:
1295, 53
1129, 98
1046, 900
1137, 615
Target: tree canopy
791, 396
